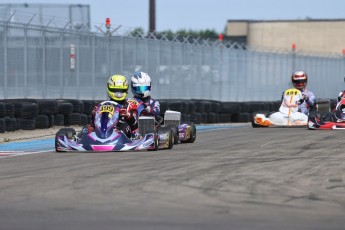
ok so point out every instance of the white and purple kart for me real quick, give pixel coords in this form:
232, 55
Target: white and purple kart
183, 132
107, 138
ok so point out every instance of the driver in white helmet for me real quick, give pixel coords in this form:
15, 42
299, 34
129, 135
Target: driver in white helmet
141, 89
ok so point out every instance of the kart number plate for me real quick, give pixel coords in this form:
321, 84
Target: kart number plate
107, 109
293, 92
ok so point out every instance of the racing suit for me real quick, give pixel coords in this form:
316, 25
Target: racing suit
288, 113
152, 107
128, 120
307, 102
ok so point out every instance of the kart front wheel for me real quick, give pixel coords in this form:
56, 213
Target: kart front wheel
155, 139
68, 132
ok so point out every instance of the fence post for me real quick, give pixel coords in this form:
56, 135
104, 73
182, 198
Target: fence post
5, 62
293, 57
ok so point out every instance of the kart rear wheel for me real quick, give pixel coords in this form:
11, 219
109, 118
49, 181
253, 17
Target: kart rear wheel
155, 139
168, 130
68, 132
192, 134
175, 133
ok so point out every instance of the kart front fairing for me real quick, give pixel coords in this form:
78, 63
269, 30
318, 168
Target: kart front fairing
106, 137
330, 120
118, 141
279, 119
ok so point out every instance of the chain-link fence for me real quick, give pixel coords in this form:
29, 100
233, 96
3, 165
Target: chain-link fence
45, 61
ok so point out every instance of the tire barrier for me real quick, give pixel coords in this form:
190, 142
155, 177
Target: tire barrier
30, 114
64, 108
2, 125
59, 119
2, 109
27, 124
47, 107
41, 121
9, 109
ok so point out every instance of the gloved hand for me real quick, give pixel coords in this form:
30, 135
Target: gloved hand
135, 135
93, 113
124, 113
305, 96
147, 108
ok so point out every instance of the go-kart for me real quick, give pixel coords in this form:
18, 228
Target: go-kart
183, 132
288, 114
278, 119
108, 137
329, 120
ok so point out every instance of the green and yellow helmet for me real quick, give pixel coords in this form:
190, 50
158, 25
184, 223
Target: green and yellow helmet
117, 88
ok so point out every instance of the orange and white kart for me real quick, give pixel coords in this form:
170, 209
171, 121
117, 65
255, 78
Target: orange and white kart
287, 116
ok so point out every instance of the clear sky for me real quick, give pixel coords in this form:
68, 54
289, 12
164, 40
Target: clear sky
202, 14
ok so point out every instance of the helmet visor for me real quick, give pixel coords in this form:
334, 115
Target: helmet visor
114, 90
119, 94
299, 81
141, 88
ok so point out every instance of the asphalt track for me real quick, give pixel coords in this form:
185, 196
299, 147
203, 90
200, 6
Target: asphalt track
238, 177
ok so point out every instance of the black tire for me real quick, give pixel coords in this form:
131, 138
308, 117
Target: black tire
27, 124
41, 121
175, 133
47, 106
2, 109
8, 124
72, 119
59, 119
69, 132
64, 108
241, 117
2, 125
155, 139
9, 110
51, 120
192, 133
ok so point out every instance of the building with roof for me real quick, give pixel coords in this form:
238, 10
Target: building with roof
309, 35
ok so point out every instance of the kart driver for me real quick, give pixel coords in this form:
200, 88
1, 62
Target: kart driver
288, 114
299, 80
141, 89
117, 89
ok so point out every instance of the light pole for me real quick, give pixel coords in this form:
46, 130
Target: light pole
152, 16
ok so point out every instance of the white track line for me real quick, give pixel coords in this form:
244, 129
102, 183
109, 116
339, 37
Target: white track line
6, 154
